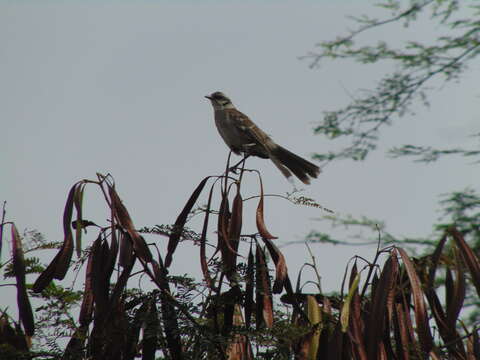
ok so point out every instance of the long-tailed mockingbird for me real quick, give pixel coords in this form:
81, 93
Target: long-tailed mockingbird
244, 137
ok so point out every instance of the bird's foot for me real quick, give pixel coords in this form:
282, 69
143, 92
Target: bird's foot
234, 169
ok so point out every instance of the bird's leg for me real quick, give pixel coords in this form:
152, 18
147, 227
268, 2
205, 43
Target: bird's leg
236, 166
246, 154
227, 169
241, 171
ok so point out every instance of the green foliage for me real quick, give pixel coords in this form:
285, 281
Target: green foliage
416, 65
462, 208
32, 266
427, 154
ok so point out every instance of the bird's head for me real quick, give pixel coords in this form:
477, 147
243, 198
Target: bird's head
220, 101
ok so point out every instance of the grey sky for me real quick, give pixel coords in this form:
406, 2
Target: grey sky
118, 88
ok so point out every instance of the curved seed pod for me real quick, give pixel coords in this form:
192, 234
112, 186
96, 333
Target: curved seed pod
471, 260
263, 291
181, 220
421, 316
250, 280
139, 244
203, 243
345, 312
262, 228
281, 271
377, 320
315, 317
77, 201
59, 265
85, 317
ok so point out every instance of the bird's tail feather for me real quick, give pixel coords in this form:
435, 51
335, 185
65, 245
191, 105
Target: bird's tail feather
303, 169
281, 167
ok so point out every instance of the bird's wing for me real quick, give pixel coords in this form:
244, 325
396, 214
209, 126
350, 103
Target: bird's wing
257, 136
249, 131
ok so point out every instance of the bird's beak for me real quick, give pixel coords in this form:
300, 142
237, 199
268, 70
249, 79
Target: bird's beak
208, 97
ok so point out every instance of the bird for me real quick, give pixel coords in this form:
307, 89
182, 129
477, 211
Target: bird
244, 137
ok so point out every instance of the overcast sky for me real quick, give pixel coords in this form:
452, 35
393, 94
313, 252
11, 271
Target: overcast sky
118, 87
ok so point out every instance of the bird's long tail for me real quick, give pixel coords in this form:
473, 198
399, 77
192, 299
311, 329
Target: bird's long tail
303, 169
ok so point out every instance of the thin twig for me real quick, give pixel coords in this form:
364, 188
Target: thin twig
314, 266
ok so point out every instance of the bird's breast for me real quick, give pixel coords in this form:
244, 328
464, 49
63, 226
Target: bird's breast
230, 130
